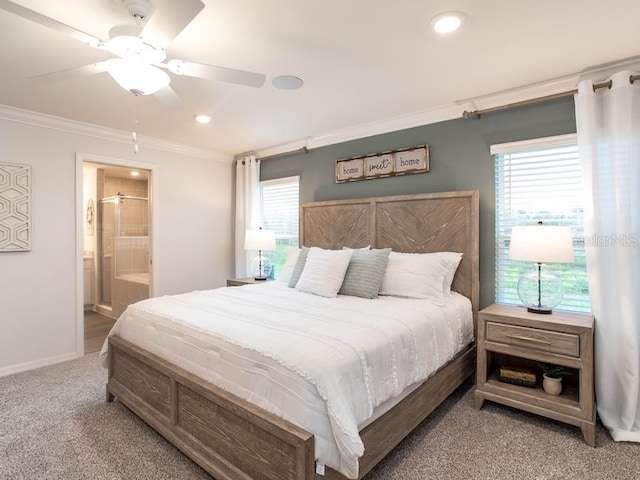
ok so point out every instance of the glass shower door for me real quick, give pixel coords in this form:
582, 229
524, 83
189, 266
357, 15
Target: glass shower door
107, 223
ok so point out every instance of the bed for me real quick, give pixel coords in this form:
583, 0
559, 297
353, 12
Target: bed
231, 438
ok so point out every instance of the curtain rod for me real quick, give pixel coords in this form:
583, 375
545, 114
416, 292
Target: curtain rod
240, 157
284, 154
596, 86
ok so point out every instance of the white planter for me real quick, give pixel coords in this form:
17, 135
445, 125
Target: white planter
553, 386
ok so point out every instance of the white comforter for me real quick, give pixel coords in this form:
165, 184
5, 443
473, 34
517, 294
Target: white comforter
323, 364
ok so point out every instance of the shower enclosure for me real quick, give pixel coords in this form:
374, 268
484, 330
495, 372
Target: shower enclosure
123, 252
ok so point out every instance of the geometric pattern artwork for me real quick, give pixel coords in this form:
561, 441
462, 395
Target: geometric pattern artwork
15, 207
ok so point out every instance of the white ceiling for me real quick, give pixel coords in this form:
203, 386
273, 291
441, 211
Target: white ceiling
362, 61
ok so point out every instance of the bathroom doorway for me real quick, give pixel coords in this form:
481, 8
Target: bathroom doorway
122, 274
116, 245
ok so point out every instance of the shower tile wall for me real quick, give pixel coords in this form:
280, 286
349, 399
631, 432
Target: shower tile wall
134, 217
131, 278
132, 255
126, 186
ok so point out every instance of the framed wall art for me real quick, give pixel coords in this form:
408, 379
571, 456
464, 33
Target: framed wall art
15, 207
386, 164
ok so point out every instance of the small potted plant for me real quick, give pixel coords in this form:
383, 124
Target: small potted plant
552, 378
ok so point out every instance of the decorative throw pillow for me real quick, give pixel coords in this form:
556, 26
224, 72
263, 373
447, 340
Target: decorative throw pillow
365, 273
324, 271
418, 275
299, 267
287, 269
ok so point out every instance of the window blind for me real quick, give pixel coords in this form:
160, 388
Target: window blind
540, 184
280, 200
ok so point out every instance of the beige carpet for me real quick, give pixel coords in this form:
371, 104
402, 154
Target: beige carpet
54, 424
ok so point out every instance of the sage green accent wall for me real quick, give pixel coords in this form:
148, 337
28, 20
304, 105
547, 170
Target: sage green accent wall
459, 160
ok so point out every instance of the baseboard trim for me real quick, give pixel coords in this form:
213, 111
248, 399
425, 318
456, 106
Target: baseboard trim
43, 362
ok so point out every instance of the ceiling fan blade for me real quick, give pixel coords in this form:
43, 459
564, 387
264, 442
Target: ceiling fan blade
213, 72
71, 73
168, 20
168, 98
48, 22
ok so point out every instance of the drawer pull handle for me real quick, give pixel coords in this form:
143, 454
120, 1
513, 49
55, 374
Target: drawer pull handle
528, 339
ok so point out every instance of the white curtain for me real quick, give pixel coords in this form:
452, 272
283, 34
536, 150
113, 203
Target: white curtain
247, 209
608, 122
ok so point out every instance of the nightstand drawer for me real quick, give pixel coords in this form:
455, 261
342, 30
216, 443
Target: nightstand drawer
533, 338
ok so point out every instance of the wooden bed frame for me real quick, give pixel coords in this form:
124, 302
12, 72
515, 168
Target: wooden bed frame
233, 439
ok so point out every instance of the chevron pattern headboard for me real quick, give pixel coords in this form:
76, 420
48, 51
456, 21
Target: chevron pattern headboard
423, 223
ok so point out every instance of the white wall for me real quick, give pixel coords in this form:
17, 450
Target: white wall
38, 291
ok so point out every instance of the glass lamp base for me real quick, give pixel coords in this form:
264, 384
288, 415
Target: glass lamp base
260, 268
542, 310
540, 291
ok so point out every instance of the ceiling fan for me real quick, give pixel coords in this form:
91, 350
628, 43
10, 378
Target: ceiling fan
140, 49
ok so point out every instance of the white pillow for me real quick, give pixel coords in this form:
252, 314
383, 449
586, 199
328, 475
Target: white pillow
420, 275
324, 271
287, 269
453, 259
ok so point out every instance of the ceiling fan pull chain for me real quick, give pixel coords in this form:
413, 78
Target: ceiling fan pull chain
134, 136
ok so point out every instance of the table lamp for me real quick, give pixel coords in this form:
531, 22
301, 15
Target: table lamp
260, 240
541, 291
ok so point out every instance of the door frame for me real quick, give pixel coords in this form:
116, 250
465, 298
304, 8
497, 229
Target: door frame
154, 276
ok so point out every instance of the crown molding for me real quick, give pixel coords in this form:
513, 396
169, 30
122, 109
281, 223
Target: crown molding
43, 120
520, 94
393, 124
427, 117
449, 112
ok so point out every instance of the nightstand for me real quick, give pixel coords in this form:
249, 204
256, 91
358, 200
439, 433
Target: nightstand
236, 282
509, 335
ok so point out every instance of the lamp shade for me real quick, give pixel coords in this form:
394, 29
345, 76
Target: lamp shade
260, 240
541, 243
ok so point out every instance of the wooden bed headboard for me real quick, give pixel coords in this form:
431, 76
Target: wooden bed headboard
423, 223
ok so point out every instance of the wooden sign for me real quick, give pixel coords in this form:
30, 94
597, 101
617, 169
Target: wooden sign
352, 169
386, 164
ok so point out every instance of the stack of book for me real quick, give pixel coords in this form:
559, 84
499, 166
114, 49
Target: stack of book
517, 376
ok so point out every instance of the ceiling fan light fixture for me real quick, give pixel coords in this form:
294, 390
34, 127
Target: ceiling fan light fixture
177, 66
138, 9
447, 22
125, 42
136, 76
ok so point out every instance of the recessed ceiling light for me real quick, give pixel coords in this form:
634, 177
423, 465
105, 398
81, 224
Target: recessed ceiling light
202, 118
135, 173
287, 82
447, 22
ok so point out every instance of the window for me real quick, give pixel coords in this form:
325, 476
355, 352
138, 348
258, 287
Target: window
540, 180
280, 203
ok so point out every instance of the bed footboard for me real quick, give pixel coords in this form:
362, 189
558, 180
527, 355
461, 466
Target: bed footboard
227, 436
233, 439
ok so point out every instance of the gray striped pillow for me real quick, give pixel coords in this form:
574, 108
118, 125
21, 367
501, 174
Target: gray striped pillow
365, 273
299, 267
